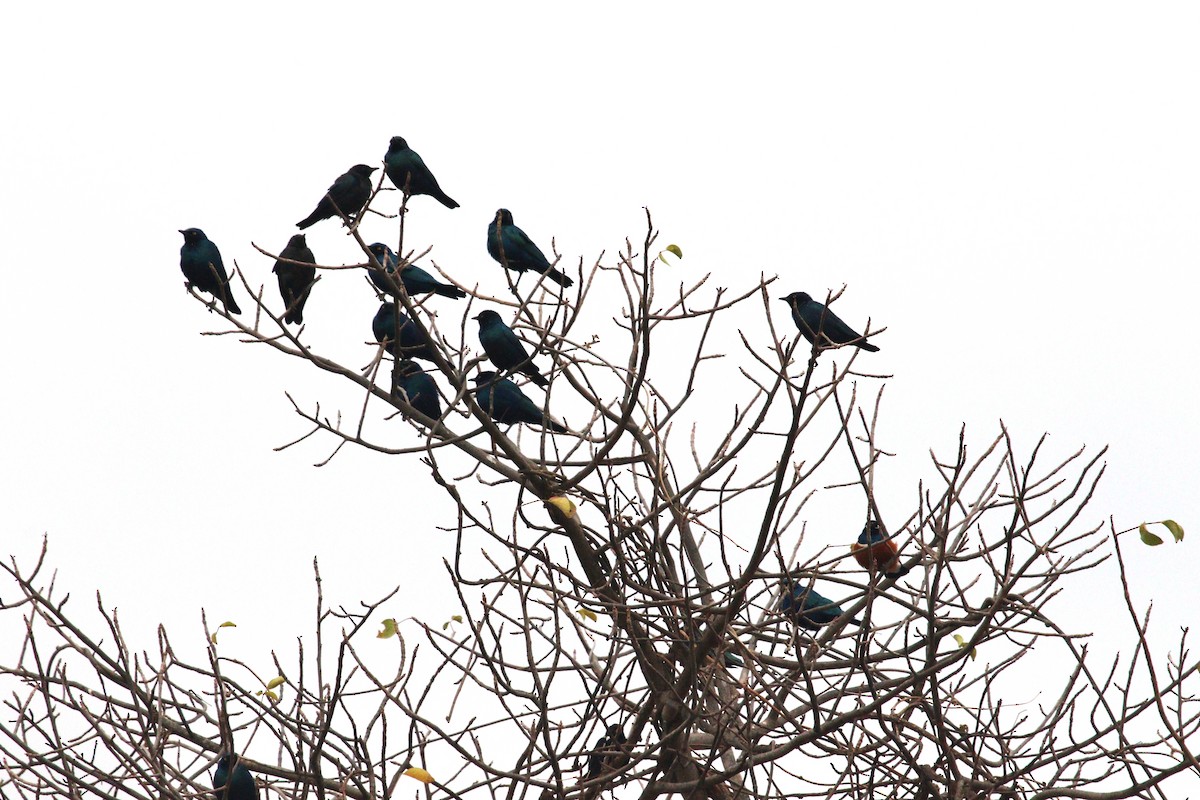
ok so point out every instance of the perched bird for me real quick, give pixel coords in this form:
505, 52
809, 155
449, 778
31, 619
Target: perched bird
877, 552
412, 343
606, 752
732, 660
406, 169
807, 607
813, 319
348, 194
504, 402
509, 245
240, 787
201, 263
503, 347
415, 279
418, 388
295, 281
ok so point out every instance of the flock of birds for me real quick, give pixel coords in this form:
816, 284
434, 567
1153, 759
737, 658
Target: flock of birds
502, 399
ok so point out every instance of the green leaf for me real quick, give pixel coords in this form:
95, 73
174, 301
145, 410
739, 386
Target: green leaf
389, 629
1175, 528
274, 698
586, 613
278, 680
457, 618
1148, 537
674, 248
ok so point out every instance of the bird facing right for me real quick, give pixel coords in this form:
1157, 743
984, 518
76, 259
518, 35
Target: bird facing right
817, 320
807, 608
345, 197
201, 263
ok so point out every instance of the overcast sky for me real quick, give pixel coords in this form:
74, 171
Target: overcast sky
1014, 191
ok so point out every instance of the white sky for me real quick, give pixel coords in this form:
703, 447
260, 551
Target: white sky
1012, 190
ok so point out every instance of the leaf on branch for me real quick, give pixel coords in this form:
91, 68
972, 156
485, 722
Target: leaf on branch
674, 249
455, 618
1147, 537
278, 680
225, 624
963, 643
1153, 539
586, 613
561, 509
274, 698
1175, 528
419, 774
389, 629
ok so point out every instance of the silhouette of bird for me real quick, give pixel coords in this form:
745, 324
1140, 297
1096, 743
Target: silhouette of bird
412, 343
295, 281
606, 751
348, 194
418, 388
201, 263
877, 552
409, 173
509, 245
240, 787
808, 608
503, 347
415, 279
732, 660
504, 402
813, 318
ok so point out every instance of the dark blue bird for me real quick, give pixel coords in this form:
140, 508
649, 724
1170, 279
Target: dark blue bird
409, 173
415, 385
813, 319
732, 660
201, 263
509, 245
607, 751
241, 787
412, 343
503, 401
503, 347
875, 551
295, 281
415, 280
809, 609
348, 194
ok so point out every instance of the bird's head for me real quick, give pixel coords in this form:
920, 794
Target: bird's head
193, 235
487, 317
504, 216
362, 170
298, 241
407, 367
487, 376
795, 298
398, 143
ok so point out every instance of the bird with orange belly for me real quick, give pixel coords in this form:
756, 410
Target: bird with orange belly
875, 551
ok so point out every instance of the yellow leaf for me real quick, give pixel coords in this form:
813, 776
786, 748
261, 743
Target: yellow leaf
278, 680
586, 613
676, 249
274, 698
389, 629
561, 509
963, 643
1147, 537
222, 625
419, 774
457, 618
1175, 528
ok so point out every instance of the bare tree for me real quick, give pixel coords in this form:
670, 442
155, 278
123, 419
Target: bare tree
621, 587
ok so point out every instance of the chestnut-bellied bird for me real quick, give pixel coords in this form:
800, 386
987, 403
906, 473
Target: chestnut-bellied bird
503, 401
295, 280
875, 551
240, 786
406, 169
415, 279
809, 609
509, 245
347, 196
418, 388
816, 320
201, 263
606, 752
503, 347
412, 343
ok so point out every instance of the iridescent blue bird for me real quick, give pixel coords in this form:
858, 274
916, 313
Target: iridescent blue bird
240, 787
509, 245
412, 343
347, 195
816, 320
503, 401
606, 752
415, 385
416, 280
503, 347
875, 551
808, 608
295, 280
203, 268
409, 173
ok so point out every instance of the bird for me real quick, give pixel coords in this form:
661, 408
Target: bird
875, 551
813, 319
732, 660
295, 281
409, 173
504, 402
201, 263
412, 343
240, 787
415, 279
509, 245
503, 347
346, 196
605, 752
417, 388
807, 607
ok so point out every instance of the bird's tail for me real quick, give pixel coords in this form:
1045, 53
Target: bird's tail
559, 277
446, 290
445, 199
865, 345
310, 220
227, 298
532, 372
551, 425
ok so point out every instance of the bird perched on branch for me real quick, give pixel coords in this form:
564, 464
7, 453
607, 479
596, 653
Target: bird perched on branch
509, 245
201, 263
815, 319
503, 401
295, 280
503, 347
877, 552
808, 608
347, 196
606, 753
415, 385
415, 280
240, 787
412, 343
409, 173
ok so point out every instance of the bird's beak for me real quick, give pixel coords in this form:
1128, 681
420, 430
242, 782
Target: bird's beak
182, 231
